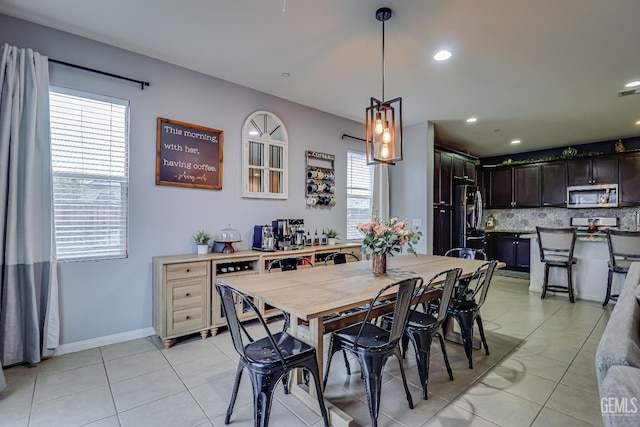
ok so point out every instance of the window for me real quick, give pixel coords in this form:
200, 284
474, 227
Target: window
265, 158
89, 157
359, 193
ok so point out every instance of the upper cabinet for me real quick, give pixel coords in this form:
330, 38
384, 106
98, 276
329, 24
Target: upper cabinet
553, 186
513, 186
593, 170
451, 169
629, 180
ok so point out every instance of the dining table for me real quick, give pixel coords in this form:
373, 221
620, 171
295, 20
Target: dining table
322, 299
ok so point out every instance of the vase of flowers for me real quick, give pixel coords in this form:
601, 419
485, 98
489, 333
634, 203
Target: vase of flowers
382, 239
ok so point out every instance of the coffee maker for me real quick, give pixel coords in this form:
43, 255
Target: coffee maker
289, 233
263, 238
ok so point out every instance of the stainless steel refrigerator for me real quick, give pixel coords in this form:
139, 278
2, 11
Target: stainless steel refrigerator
468, 226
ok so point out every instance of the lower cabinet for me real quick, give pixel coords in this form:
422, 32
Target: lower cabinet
510, 248
442, 228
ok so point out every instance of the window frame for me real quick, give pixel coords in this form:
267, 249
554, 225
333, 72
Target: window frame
116, 251
267, 144
353, 236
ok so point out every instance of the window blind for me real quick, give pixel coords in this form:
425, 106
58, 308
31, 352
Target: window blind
359, 192
89, 157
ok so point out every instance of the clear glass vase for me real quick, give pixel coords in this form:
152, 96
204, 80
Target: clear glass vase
379, 263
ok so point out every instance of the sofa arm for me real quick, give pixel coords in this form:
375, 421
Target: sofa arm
620, 397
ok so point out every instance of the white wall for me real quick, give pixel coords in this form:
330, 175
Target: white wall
102, 298
411, 182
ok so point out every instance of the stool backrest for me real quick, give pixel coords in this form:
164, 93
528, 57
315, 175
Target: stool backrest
467, 253
556, 241
623, 245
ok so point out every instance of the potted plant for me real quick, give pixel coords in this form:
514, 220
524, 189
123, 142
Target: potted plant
331, 234
202, 238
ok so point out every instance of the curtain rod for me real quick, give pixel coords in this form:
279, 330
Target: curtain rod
344, 135
104, 73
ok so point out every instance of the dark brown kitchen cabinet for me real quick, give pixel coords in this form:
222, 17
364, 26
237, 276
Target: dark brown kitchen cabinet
629, 179
443, 193
554, 184
513, 187
526, 186
464, 170
499, 187
593, 170
510, 248
442, 229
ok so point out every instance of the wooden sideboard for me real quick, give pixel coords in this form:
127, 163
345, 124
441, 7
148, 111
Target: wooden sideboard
185, 301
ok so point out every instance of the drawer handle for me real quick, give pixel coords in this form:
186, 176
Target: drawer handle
188, 317
187, 294
188, 270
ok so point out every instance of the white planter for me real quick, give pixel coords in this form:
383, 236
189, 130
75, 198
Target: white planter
332, 240
203, 249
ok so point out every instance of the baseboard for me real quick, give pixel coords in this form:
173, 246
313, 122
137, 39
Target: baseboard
100, 341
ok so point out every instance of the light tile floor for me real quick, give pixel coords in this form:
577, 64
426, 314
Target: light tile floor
540, 372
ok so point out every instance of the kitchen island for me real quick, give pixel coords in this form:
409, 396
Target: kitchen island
589, 273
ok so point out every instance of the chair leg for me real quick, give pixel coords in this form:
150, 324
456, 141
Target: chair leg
329, 357
422, 344
545, 281
234, 393
312, 368
570, 283
263, 390
609, 282
444, 353
404, 379
466, 330
372, 369
481, 330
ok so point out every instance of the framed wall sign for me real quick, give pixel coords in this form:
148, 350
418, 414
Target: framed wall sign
188, 155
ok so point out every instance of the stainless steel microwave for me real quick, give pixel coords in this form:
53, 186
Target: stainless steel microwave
593, 196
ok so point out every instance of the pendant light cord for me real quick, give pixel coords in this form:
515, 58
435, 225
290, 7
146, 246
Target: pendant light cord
383, 65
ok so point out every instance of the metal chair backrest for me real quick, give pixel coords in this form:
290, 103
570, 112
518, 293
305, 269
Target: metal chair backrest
623, 245
288, 264
480, 281
228, 296
451, 277
467, 253
556, 241
340, 257
404, 296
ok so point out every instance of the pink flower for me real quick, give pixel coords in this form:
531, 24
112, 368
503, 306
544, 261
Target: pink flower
380, 230
404, 240
367, 228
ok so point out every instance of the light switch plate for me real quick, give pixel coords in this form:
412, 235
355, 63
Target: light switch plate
417, 222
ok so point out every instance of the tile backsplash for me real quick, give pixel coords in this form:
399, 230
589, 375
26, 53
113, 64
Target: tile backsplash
528, 219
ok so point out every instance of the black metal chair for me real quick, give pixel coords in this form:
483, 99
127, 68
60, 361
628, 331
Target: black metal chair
340, 257
467, 253
290, 263
624, 248
373, 345
556, 250
267, 360
422, 327
466, 310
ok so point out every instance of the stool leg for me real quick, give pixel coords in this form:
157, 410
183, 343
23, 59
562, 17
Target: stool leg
570, 283
608, 297
545, 281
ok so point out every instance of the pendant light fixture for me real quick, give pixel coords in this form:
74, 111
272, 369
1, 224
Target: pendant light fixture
384, 118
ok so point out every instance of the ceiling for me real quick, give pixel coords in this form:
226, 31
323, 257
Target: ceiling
546, 72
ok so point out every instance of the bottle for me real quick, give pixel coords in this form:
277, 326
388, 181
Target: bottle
323, 238
316, 239
308, 241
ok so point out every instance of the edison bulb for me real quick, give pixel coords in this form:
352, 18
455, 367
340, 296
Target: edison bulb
386, 134
378, 126
384, 151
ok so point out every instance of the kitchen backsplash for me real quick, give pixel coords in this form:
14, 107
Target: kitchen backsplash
528, 219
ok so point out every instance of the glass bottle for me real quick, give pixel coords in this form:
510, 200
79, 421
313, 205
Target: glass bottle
323, 238
316, 239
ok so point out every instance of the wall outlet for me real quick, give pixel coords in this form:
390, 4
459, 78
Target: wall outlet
417, 222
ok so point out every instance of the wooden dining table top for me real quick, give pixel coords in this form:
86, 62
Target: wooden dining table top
310, 293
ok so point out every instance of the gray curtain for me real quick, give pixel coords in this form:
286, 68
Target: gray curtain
381, 191
28, 281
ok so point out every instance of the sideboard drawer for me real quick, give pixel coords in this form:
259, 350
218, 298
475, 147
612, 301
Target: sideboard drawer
186, 270
187, 320
187, 294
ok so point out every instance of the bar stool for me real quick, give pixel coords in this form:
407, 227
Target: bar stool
624, 248
556, 250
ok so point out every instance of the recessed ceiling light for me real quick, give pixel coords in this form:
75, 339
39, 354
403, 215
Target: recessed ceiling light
286, 74
516, 141
634, 83
443, 55
472, 119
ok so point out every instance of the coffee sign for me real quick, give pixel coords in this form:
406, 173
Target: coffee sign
188, 155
